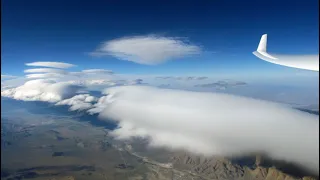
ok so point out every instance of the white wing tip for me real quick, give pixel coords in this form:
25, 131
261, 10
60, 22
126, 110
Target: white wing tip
263, 44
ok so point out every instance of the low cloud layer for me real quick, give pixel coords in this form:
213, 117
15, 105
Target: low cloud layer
214, 124
51, 64
149, 50
222, 84
188, 78
106, 82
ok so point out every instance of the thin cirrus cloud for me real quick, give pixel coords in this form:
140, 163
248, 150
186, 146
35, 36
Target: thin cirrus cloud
148, 50
3, 76
187, 78
51, 64
213, 123
97, 71
223, 84
45, 70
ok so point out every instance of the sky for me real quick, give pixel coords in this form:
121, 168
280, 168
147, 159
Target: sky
178, 68
226, 31
147, 39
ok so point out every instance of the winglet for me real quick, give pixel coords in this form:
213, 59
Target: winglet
263, 44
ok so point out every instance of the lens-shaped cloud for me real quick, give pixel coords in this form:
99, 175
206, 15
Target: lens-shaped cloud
150, 50
51, 64
97, 71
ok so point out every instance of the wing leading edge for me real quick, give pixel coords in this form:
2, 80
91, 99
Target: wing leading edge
309, 62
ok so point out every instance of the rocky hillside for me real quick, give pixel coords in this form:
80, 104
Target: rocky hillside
222, 169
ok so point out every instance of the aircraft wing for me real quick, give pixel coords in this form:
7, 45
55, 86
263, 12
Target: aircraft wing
309, 62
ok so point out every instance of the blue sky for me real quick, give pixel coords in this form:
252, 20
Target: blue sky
227, 31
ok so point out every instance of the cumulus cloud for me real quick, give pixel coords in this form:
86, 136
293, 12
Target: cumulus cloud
100, 105
222, 84
46, 70
79, 102
51, 64
42, 90
213, 123
149, 50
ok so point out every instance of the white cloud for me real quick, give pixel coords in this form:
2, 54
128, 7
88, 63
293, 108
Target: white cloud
42, 90
45, 70
150, 50
97, 71
100, 105
44, 76
106, 82
79, 102
213, 123
94, 82
50, 64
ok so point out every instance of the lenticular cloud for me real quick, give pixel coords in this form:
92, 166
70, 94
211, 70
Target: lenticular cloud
148, 50
213, 124
51, 64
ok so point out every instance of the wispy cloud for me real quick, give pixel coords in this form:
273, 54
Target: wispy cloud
149, 50
7, 76
223, 84
187, 78
97, 71
45, 70
51, 64
44, 76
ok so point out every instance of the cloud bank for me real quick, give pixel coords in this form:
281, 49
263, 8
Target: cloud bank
51, 64
188, 78
149, 50
224, 84
213, 123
